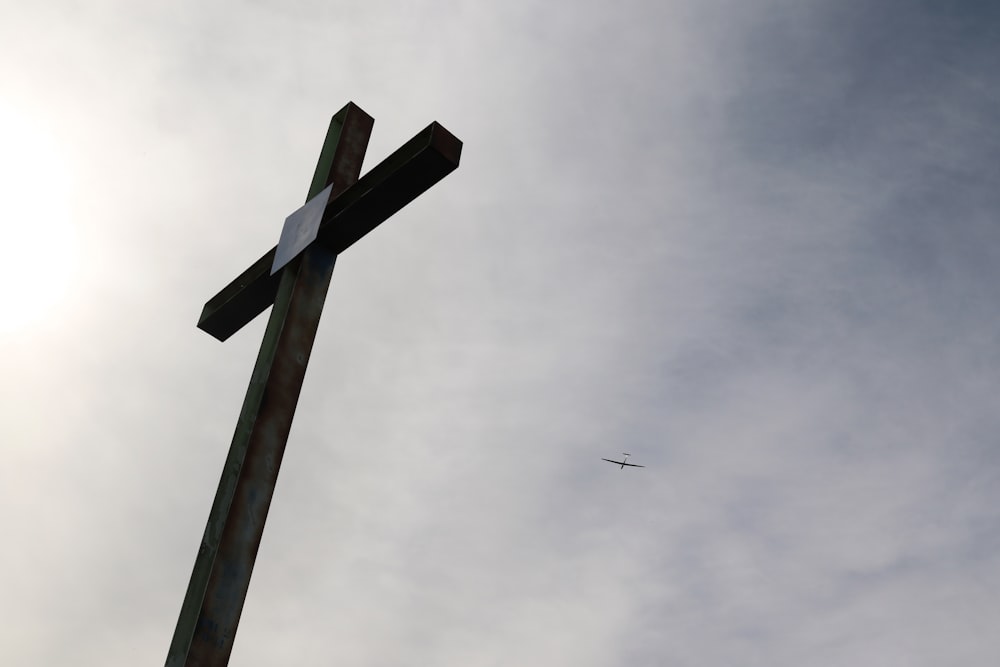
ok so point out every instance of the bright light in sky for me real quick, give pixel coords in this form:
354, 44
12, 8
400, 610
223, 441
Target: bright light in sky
38, 235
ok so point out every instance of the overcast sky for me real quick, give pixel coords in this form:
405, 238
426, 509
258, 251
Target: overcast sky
754, 243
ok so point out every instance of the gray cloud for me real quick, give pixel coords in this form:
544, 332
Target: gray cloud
751, 244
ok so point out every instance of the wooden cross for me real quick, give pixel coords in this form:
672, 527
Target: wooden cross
353, 207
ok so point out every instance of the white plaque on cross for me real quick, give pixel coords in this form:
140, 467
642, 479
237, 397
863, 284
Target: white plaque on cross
300, 229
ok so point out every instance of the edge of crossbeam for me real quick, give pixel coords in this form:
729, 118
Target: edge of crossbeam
396, 181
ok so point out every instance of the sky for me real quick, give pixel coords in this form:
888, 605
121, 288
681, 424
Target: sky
754, 243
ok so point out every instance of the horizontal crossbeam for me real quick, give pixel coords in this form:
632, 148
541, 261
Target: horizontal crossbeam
396, 181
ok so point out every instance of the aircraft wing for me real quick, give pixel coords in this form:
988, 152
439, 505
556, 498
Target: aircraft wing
634, 465
618, 463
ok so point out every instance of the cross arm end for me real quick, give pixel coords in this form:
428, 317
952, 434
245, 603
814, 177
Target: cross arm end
242, 300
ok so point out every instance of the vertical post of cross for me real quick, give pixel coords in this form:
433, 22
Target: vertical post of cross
214, 600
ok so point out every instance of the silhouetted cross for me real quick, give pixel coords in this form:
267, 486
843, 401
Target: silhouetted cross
340, 209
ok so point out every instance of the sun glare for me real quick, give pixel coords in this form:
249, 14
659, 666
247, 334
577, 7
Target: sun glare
38, 236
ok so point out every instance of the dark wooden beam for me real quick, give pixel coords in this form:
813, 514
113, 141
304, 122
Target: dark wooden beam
396, 181
210, 613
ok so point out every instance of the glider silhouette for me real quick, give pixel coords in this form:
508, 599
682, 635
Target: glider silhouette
623, 463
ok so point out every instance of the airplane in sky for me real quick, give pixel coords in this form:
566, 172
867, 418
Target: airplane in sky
623, 463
